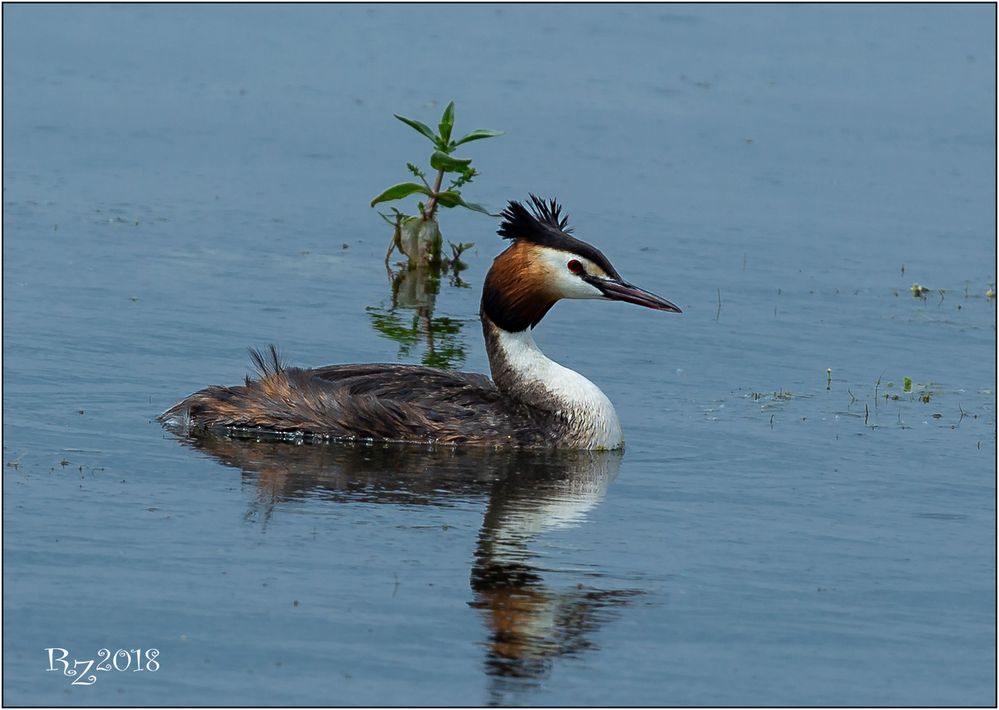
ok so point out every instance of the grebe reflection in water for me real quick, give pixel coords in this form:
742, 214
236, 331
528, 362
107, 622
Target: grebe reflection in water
532, 614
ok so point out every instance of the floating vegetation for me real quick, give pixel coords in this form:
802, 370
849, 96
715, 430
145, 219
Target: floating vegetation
780, 395
879, 405
918, 290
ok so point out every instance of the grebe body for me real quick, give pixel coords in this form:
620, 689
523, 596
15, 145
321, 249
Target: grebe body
530, 402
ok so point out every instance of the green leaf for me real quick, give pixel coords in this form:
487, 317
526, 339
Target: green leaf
447, 123
478, 135
419, 127
458, 249
451, 198
397, 192
478, 208
443, 161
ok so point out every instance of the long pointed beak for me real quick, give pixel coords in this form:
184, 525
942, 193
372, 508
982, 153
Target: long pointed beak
623, 291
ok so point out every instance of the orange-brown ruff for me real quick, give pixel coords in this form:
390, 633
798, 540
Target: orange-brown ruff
531, 401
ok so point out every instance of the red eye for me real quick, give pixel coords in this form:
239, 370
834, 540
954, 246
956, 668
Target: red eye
575, 267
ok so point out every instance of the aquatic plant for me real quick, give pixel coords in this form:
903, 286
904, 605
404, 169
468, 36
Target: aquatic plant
419, 236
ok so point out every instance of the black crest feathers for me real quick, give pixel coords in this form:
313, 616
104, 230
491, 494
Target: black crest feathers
543, 224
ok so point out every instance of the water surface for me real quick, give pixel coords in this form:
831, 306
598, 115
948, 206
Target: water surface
786, 526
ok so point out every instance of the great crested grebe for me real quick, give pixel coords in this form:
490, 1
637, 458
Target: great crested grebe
531, 401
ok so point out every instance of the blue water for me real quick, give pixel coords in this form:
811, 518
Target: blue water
787, 525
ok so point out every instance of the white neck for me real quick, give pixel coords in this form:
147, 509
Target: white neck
577, 406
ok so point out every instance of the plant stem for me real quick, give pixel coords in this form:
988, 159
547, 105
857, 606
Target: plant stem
428, 212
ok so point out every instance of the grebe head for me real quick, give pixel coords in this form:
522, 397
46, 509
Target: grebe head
544, 264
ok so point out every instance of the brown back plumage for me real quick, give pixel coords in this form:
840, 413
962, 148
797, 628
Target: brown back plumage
366, 401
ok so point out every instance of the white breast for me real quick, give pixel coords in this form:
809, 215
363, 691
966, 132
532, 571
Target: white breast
586, 410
